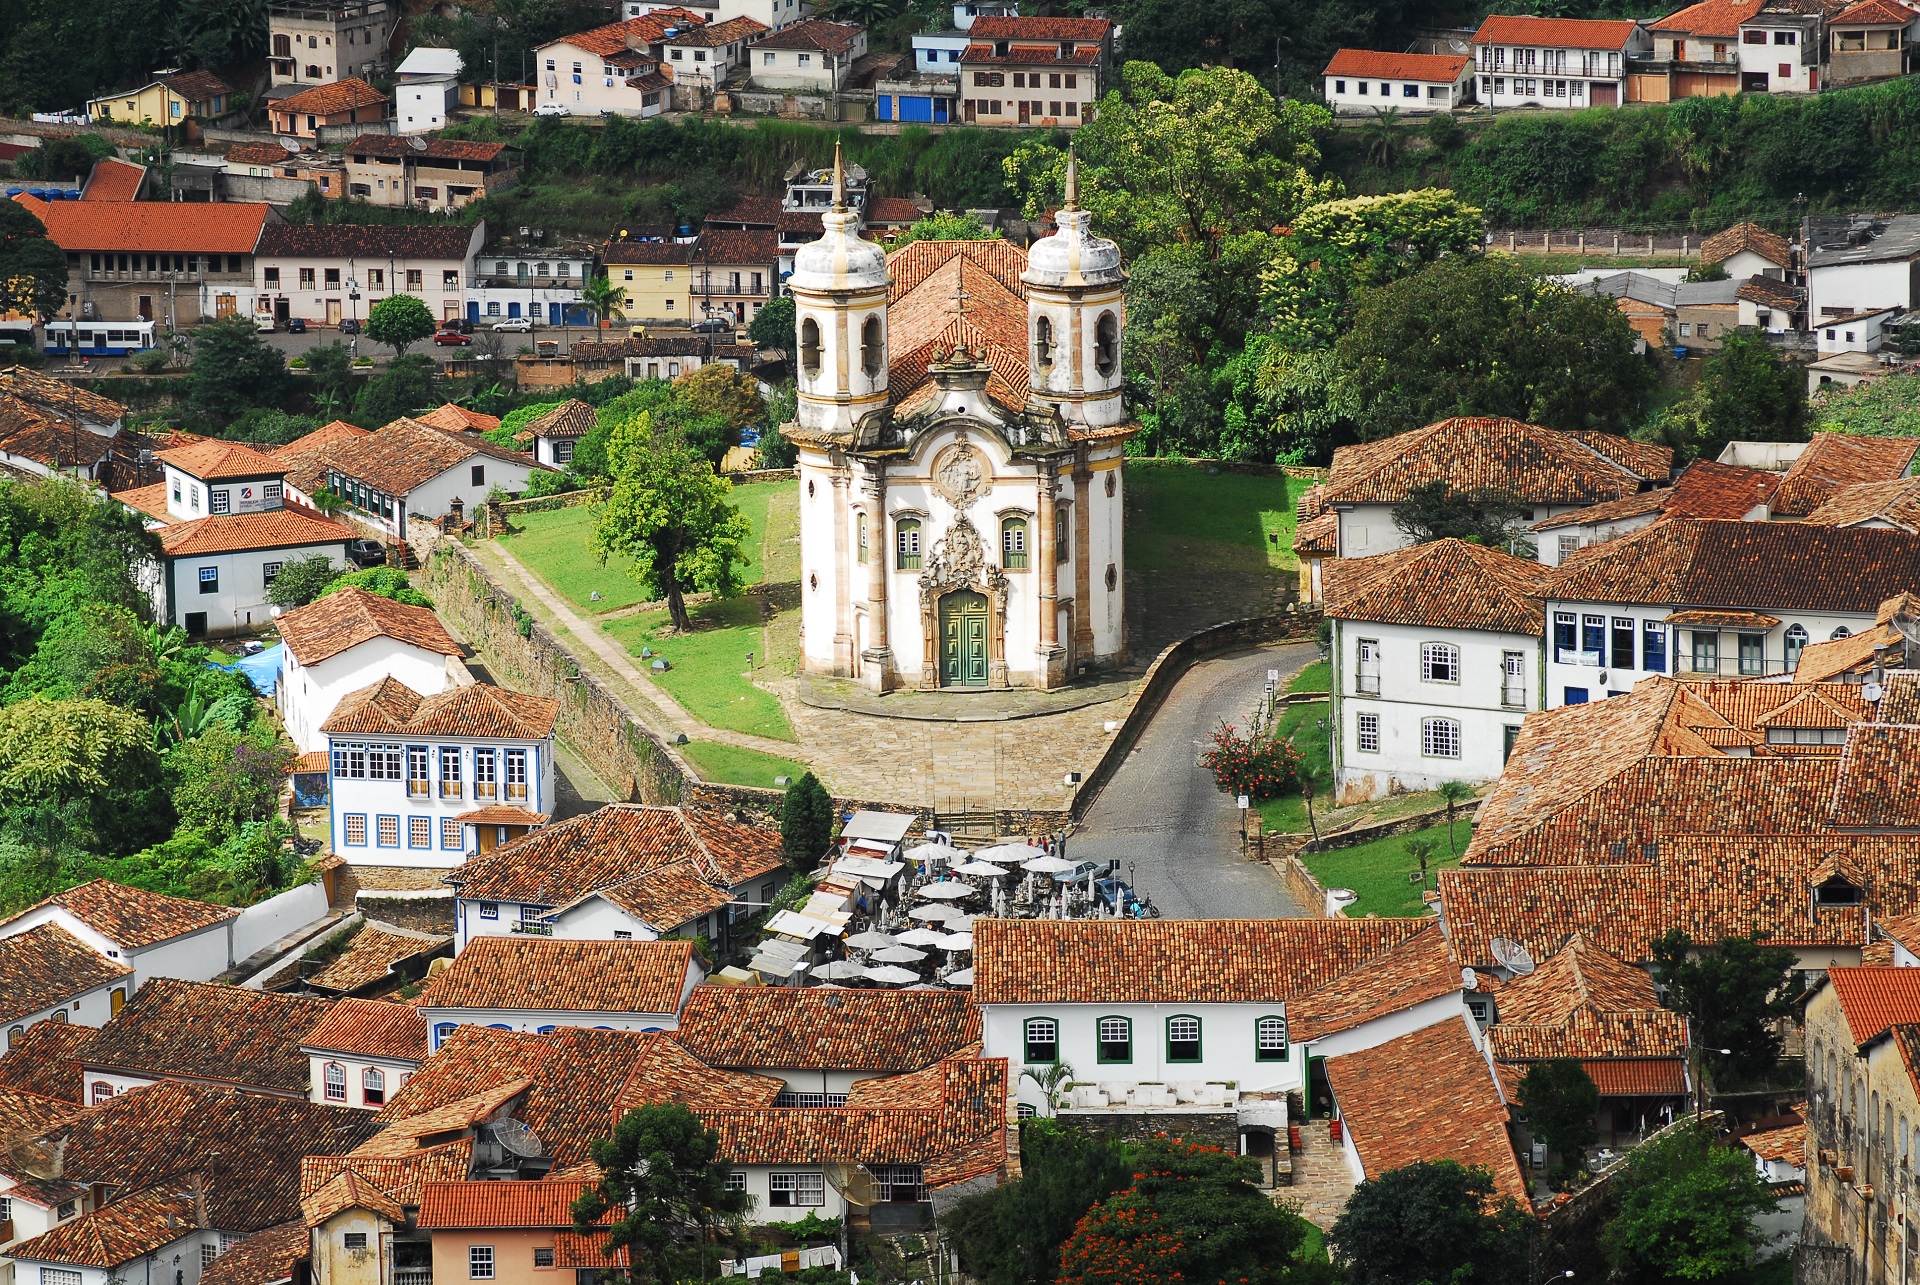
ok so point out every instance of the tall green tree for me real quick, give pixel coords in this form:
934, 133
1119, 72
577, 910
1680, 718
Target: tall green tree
33, 270
405, 387
1436, 511
1192, 1213
1746, 393
674, 515
233, 369
773, 325
80, 772
225, 779
664, 1175
946, 227
1012, 1234
1483, 336
1560, 1100
1431, 1221
806, 822
400, 321
1733, 994
1686, 1212
605, 300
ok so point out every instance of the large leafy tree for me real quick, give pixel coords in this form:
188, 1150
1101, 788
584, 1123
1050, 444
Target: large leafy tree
1560, 1100
1192, 1213
806, 822
233, 370
665, 1177
720, 388
674, 515
404, 388
1745, 393
1482, 336
1733, 995
400, 321
225, 779
1431, 1221
1436, 511
33, 270
302, 580
1686, 1211
1012, 1234
772, 326
80, 771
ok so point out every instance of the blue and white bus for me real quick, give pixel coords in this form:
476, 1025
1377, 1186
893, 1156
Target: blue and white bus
98, 338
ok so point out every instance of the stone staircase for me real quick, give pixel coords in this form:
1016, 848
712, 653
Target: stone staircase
1321, 1180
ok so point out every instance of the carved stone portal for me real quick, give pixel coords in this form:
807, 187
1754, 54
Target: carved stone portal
957, 561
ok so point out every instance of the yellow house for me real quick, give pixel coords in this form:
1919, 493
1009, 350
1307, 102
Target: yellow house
658, 279
171, 99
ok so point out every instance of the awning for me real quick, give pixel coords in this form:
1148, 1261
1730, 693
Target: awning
805, 927
1723, 619
501, 814
886, 827
868, 868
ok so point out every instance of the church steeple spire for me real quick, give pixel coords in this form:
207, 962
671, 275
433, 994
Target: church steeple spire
839, 180
1072, 201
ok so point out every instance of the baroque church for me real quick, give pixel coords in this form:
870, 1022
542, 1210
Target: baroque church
961, 442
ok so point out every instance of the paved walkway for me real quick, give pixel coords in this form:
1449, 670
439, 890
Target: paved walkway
950, 705
1160, 815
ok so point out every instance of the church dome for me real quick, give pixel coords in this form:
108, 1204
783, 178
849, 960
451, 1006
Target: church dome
1073, 256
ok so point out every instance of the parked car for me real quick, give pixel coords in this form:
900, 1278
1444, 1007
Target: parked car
296, 326
351, 326
518, 325
447, 338
553, 109
263, 323
366, 553
714, 326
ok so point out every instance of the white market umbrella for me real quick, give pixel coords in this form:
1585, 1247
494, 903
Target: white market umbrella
960, 924
948, 891
981, 870
841, 970
959, 977
923, 937
923, 852
870, 940
1044, 865
888, 975
958, 941
935, 913
1009, 852
899, 955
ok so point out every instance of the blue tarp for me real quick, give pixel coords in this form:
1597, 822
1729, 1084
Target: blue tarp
262, 669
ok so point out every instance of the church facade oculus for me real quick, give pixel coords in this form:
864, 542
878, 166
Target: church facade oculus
961, 438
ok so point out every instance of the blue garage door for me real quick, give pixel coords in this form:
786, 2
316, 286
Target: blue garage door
916, 109
884, 106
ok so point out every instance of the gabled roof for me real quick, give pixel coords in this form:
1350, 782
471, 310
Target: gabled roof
557, 863
1835, 460
1704, 489
1752, 565
1579, 975
129, 1228
398, 1173
435, 149
44, 1060
1873, 999
1710, 18
1788, 1143
1878, 786
483, 1206
403, 455
1854, 654
1566, 33
371, 1028
622, 37
1386, 1095
1875, 13
257, 154
114, 180
827, 1028
67, 397
195, 86
713, 35
1417, 970
343, 620
665, 898
1774, 294
292, 526
372, 956
1746, 236
133, 918
1091, 961
922, 319
366, 240
223, 227
1590, 1033
1895, 502
564, 975
349, 1189
1443, 584
1537, 465
458, 419
999, 26
329, 99
814, 33
1436, 68
302, 459
206, 1031
213, 459
264, 1258
743, 245
391, 708
46, 966
571, 418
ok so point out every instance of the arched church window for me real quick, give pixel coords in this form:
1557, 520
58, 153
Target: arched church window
1063, 533
810, 346
1106, 345
873, 348
1043, 342
907, 541
1013, 544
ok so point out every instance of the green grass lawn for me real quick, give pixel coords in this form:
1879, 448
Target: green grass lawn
1288, 813
1380, 871
733, 765
1317, 677
553, 545
709, 666
1224, 522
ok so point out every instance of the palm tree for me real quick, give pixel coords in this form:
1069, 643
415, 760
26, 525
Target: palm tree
1382, 138
604, 299
1313, 775
1455, 793
1048, 1081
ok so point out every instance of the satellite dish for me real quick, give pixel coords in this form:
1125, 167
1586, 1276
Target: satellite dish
853, 1184
514, 1136
1512, 956
417, 143
1469, 980
1872, 692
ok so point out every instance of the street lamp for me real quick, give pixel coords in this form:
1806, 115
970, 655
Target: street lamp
1699, 1079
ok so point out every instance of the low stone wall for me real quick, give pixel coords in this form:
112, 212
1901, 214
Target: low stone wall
1300, 883
745, 476
1297, 623
547, 503
1208, 1126
785, 106
1412, 823
421, 914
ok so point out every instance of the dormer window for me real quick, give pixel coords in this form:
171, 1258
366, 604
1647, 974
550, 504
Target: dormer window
1838, 890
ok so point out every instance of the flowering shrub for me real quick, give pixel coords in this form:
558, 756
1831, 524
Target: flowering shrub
1240, 765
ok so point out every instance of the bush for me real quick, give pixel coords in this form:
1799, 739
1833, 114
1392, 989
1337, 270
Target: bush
1264, 769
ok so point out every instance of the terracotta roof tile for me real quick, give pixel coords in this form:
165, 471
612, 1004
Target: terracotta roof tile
1832, 461
435, 149
403, 455
114, 180
24, 1114
371, 957
1013, 27
257, 154
1876, 13
301, 459
564, 976
1772, 293
154, 226
664, 1071
1640, 1077
1788, 1143
343, 620
1592, 1034
501, 814
60, 395
196, 86
712, 35
1746, 236
365, 240
1879, 778
730, 246
292, 527
922, 321
1411, 973
666, 897
1087, 961
1895, 502
131, 1227
458, 419
46, 966
825, 1028
1440, 68
1578, 975
1318, 536
1705, 489
484, 1206
1538, 465
1753, 565
1900, 697
571, 418
621, 37
349, 1189
206, 1031
399, 1177
330, 99
391, 708
1581, 33
371, 1028
31, 433
1443, 584
213, 459
815, 33
558, 863
760, 211
1874, 999
133, 918
893, 210
1386, 1095
264, 1258
1710, 18
44, 1060
1754, 707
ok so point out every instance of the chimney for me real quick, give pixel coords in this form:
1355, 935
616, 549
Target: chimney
198, 1185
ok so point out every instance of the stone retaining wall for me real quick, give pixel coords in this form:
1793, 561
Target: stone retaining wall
1299, 882
1409, 824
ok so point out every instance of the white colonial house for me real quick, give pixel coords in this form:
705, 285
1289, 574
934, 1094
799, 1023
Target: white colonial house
420, 781
1731, 599
614, 69
814, 56
1437, 659
1366, 80
1861, 263
556, 433
1556, 62
539, 984
426, 88
960, 528
122, 1241
409, 470
541, 283
773, 14
363, 1051
226, 527
704, 57
56, 977
327, 272
151, 933
1704, 489
346, 640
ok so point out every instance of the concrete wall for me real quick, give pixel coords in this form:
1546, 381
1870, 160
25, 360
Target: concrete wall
265, 922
